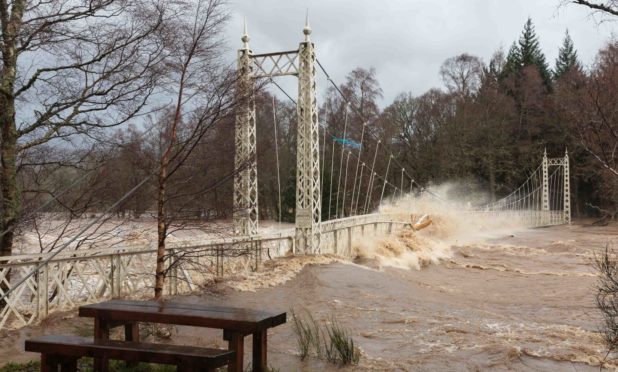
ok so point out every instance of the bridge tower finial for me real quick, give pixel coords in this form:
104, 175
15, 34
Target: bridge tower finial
245, 35
307, 29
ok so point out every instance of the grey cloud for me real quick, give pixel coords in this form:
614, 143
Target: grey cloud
407, 41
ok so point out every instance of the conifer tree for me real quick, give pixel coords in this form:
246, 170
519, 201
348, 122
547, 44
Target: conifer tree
567, 57
513, 61
531, 53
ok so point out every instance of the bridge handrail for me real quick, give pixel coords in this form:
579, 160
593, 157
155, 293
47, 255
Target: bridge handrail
80, 254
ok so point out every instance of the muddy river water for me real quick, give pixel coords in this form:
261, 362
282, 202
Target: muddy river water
517, 299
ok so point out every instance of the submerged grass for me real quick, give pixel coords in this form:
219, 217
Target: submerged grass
339, 345
332, 341
307, 332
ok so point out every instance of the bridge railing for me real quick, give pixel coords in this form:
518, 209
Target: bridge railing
525, 217
77, 277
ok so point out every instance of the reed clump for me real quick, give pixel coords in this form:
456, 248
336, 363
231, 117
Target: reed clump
330, 341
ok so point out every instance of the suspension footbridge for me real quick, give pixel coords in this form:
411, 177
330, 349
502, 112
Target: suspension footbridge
331, 212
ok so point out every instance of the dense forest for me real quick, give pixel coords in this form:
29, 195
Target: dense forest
143, 97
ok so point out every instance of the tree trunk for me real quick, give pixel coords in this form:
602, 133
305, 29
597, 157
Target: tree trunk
161, 200
8, 180
8, 146
161, 231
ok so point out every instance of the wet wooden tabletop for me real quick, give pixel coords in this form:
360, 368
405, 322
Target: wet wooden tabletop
227, 318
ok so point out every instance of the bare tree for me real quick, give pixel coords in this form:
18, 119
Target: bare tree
203, 91
69, 68
462, 74
609, 7
589, 103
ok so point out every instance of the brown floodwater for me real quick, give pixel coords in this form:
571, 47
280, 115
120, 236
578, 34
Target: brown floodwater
517, 299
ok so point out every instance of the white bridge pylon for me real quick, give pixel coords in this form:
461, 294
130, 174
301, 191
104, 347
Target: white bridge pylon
544, 199
299, 63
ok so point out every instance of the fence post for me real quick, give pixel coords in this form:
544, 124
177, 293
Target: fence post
219, 250
257, 258
217, 260
335, 240
173, 273
42, 287
112, 276
116, 280
349, 241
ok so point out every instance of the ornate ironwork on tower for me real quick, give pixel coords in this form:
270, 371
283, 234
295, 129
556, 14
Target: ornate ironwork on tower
300, 63
545, 198
567, 189
245, 164
563, 163
308, 193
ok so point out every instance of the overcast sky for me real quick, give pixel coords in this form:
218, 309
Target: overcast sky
407, 40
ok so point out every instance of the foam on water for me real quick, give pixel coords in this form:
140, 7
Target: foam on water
453, 223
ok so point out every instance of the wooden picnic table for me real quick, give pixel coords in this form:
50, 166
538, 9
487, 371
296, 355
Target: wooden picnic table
236, 323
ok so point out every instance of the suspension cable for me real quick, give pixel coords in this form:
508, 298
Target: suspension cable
359, 113
330, 194
370, 183
355, 189
345, 128
345, 184
277, 157
358, 160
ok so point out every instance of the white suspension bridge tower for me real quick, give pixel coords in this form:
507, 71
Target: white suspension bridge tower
544, 199
299, 63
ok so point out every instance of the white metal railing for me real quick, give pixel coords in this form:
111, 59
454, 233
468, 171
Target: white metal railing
526, 217
83, 276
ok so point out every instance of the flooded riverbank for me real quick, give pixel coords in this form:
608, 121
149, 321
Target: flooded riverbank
519, 299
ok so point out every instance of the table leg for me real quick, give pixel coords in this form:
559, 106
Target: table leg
236, 342
68, 365
48, 363
260, 352
101, 332
131, 333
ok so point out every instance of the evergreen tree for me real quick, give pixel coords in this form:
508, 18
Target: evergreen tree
531, 53
513, 61
567, 57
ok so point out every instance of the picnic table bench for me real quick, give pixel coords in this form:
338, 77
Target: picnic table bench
236, 323
66, 350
